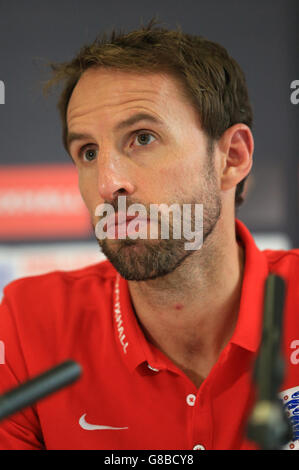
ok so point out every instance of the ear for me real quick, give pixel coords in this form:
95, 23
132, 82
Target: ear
236, 146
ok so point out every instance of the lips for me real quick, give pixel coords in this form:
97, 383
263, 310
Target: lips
120, 222
117, 219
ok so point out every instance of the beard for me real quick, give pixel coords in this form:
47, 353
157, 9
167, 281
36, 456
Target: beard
144, 259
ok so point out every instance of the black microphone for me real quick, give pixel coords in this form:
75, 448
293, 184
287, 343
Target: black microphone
39, 387
268, 424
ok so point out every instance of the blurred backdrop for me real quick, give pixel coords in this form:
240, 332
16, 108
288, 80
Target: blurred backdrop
43, 223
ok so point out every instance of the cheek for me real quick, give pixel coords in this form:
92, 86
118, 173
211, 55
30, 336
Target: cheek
83, 189
179, 178
88, 193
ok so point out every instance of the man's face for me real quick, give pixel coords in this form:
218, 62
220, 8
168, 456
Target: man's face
162, 159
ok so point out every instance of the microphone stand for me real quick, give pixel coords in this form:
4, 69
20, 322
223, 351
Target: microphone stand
268, 424
39, 387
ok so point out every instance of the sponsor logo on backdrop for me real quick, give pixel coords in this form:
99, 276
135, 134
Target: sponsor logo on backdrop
6, 271
31, 260
41, 202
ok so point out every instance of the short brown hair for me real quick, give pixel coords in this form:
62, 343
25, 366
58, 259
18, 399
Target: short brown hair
213, 81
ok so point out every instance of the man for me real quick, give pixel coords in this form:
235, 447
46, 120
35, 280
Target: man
166, 336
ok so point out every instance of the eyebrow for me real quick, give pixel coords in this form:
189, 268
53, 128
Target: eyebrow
73, 136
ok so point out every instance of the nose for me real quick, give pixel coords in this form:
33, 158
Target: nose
113, 178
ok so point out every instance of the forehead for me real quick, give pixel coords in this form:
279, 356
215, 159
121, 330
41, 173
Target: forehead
103, 88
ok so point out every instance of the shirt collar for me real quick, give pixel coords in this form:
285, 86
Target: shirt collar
247, 333
134, 348
131, 341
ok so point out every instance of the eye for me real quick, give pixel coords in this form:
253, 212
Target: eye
88, 154
144, 138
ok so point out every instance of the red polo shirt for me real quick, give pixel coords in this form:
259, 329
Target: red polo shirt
130, 395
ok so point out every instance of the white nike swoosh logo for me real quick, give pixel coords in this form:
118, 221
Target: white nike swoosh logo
94, 427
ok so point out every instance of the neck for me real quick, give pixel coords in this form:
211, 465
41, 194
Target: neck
190, 314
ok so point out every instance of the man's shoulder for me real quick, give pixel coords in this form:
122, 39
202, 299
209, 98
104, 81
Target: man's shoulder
285, 263
47, 318
101, 273
285, 260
